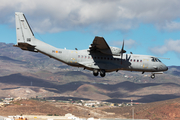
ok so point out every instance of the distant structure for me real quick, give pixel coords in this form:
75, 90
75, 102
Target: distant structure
131, 102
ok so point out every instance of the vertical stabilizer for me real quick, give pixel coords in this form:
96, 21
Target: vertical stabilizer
23, 31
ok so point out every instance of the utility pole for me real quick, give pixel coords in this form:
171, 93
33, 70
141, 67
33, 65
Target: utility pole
133, 112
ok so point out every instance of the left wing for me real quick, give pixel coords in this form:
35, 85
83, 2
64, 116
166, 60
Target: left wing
100, 45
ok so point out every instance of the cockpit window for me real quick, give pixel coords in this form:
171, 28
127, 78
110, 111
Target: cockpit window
152, 60
158, 60
155, 59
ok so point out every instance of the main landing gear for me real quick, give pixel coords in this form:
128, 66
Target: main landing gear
102, 72
95, 72
153, 76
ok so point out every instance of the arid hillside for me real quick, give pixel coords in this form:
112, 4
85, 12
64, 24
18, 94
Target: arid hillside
32, 107
27, 74
162, 110
33, 75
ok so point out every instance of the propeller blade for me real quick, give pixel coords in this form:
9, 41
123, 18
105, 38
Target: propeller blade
122, 51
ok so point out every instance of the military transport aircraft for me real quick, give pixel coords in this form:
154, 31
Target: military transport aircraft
99, 58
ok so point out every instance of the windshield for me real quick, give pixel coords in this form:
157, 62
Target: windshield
153, 59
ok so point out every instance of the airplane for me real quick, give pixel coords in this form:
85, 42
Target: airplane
99, 57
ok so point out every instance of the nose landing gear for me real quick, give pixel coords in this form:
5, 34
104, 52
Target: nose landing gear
153, 76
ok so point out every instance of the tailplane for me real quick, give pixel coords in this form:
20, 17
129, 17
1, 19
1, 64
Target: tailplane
25, 36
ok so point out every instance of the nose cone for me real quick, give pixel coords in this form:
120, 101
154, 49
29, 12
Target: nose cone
162, 67
165, 68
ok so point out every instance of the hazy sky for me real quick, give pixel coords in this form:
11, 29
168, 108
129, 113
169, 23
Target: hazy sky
150, 27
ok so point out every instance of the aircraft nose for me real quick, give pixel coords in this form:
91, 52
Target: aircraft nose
165, 68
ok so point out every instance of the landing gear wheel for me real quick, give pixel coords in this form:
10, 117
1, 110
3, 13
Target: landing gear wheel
153, 76
102, 73
95, 72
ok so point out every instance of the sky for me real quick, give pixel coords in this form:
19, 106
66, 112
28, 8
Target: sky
148, 27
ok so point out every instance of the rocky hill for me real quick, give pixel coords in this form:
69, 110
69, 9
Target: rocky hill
28, 74
162, 110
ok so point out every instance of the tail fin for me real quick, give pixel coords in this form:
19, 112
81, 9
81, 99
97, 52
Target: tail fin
25, 36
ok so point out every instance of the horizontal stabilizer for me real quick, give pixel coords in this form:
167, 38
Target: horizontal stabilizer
26, 46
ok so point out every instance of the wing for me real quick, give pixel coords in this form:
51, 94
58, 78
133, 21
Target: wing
100, 45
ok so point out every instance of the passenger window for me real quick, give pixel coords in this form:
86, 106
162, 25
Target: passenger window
137, 60
82, 56
134, 60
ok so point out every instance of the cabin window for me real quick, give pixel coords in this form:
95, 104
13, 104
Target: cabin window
108, 58
140, 60
78, 56
131, 60
137, 60
105, 58
114, 58
82, 56
134, 60
88, 57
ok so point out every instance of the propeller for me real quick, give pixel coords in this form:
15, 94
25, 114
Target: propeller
122, 51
